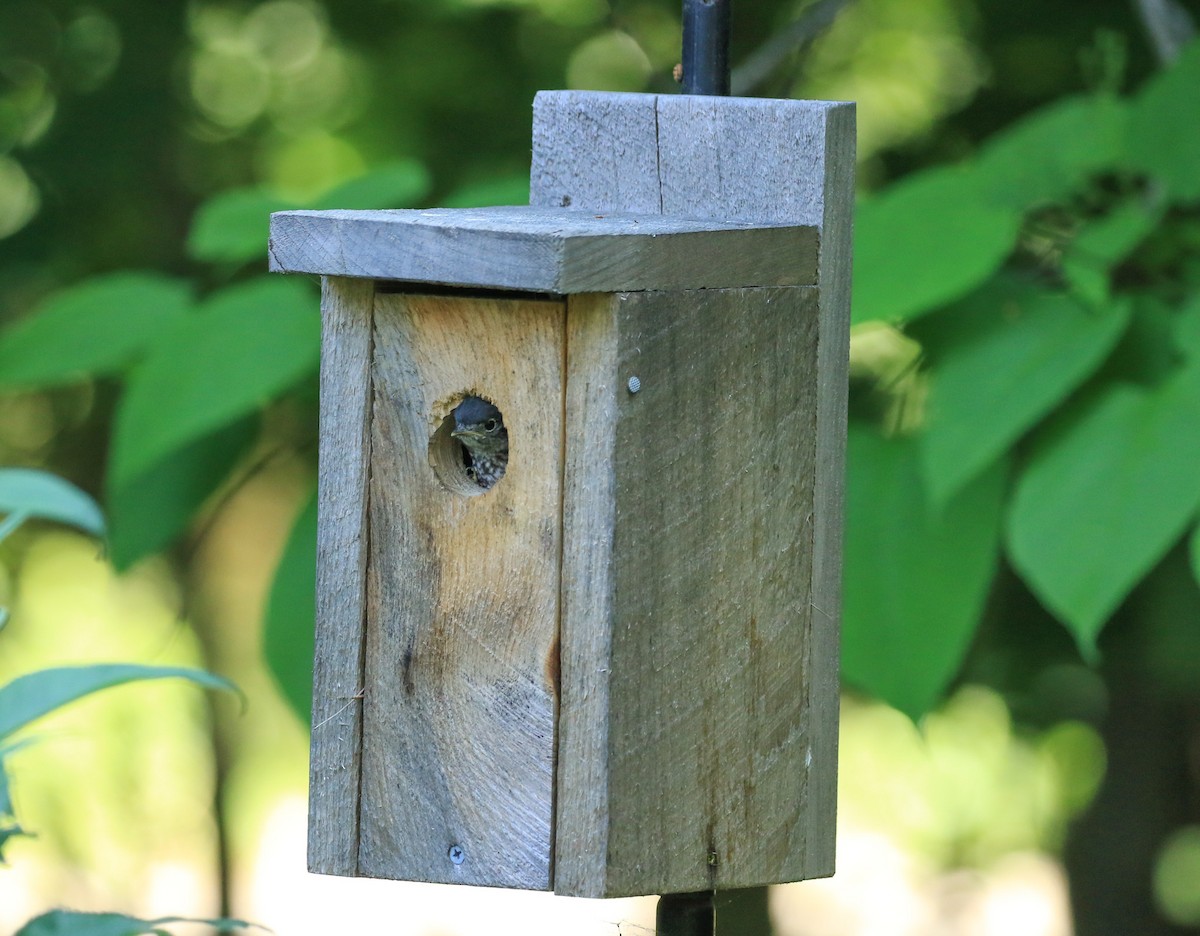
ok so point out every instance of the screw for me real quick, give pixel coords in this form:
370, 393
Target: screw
634, 385
457, 855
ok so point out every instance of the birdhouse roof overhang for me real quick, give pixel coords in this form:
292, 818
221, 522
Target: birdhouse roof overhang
549, 250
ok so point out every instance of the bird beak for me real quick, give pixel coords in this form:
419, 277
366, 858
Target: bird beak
465, 434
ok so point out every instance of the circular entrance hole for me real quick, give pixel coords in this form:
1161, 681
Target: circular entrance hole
469, 450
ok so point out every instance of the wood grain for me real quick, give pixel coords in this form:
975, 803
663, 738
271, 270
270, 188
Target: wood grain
549, 250
829, 508
752, 160
613, 135
689, 652
589, 488
462, 656
346, 309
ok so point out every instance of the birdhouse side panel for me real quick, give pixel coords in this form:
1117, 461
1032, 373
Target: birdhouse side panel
346, 308
703, 702
462, 655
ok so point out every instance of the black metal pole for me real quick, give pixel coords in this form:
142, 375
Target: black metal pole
686, 915
706, 46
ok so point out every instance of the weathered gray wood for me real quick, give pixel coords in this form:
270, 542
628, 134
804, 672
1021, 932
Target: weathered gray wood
690, 651
753, 160
550, 250
463, 593
833, 379
344, 451
614, 135
589, 484
746, 159
768, 168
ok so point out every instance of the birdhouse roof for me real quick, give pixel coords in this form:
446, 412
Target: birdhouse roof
550, 250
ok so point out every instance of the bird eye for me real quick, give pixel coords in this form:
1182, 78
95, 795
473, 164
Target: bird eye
471, 472
490, 425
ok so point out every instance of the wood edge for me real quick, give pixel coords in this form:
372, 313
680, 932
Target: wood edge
335, 850
580, 860
678, 267
834, 270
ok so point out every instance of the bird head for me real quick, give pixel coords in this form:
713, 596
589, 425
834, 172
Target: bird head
479, 426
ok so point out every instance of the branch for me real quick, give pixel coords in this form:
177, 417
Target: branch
759, 65
1168, 25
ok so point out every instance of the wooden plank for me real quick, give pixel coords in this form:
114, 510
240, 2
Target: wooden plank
770, 167
344, 452
798, 169
833, 378
541, 249
613, 135
761, 160
462, 655
706, 720
581, 827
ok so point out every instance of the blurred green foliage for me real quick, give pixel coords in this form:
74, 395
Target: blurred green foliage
1026, 360
27, 495
1030, 274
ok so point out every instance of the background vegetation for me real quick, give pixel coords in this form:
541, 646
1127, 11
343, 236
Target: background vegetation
1025, 429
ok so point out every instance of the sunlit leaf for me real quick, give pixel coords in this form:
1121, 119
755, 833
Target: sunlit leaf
29, 697
394, 185
1164, 129
1104, 496
1048, 155
97, 327
925, 242
1003, 358
291, 611
916, 577
33, 493
248, 344
1104, 243
152, 508
76, 923
233, 227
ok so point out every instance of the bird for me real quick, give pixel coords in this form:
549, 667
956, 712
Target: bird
479, 428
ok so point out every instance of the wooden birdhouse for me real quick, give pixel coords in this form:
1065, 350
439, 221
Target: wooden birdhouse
614, 670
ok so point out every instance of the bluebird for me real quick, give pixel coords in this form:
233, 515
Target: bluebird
479, 427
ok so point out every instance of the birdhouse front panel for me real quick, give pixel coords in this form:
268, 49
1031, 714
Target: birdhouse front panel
462, 593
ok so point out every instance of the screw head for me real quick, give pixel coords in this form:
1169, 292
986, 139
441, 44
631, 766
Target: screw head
457, 855
634, 384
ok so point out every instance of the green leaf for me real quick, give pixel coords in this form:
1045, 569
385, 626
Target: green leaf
291, 614
1048, 156
233, 227
1012, 351
97, 327
1103, 244
393, 185
1186, 328
1103, 497
76, 923
1164, 126
1194, 551
925, 242
509, 190
249, 344
150, 510
33, 493
29, 697
916, 578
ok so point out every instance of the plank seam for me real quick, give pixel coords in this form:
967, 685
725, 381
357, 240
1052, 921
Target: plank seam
365, 622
